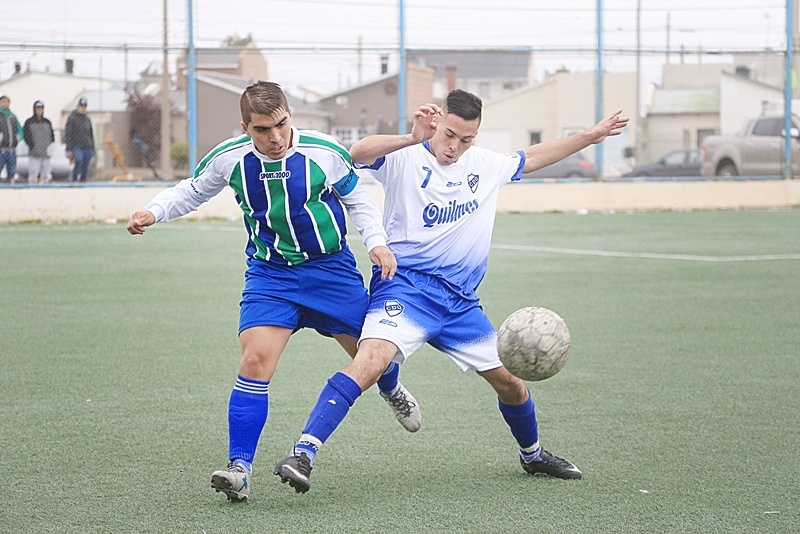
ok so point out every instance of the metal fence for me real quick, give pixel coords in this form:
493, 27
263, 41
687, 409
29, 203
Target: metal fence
675, 70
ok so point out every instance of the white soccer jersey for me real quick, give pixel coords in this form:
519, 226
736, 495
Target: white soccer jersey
440, 218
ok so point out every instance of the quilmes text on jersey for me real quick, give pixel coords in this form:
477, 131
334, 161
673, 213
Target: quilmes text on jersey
433, 214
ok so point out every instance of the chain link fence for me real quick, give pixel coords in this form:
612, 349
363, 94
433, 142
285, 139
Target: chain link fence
667, 69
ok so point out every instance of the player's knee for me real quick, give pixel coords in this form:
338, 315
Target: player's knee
373, 356
256, 364
509, 388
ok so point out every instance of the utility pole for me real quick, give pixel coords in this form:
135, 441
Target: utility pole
360, 61
795, 45
166, 167
669, 31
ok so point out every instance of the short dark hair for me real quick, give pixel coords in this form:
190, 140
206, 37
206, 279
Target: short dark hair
464, 105
263, 98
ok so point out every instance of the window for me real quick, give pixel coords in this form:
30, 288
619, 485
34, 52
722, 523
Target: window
771, 127
674, 158
702, 133
344, 135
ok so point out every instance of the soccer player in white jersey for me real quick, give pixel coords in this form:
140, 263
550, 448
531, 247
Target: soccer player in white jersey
291, 186
441, 199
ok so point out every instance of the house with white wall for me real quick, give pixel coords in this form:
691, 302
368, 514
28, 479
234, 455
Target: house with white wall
559, 106
697, 100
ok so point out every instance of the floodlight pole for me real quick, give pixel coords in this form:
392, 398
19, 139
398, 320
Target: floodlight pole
191, 93
166, 170
787, 92
598, 92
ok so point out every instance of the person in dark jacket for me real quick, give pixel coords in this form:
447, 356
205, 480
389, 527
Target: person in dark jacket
79, 138
38, 134
10, 133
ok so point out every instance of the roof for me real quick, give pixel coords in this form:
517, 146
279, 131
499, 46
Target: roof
670, 101
503, 64
215, 58
108, 100
237, 85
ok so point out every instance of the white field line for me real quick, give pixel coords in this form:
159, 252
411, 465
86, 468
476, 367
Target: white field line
574, 251
602, 253
647, 255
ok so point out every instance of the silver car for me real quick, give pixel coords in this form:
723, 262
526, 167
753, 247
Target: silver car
61, 167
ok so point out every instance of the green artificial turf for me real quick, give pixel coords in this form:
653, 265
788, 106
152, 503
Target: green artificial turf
680, 401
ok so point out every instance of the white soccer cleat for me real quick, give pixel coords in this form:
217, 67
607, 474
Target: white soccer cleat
405, 408
234, 482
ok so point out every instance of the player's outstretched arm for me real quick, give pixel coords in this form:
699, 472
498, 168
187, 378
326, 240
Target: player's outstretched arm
544, 154
139, 221
368, 150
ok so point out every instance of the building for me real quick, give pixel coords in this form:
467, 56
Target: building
697, 100
247, 63
557, 107
371, 108
59, 92
219, 116
486, 73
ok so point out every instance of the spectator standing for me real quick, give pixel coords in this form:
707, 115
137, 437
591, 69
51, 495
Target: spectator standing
10, 133
38, 134
79, 138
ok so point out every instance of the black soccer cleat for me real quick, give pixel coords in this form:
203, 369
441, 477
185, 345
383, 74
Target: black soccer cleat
295, 470
551, 465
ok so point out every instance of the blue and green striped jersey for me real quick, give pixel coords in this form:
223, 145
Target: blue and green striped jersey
292, 211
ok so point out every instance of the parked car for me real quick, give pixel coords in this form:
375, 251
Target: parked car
675, 163
757, 150
61, 167
573, 166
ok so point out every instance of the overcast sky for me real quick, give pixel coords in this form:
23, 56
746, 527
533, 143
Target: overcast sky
288, 28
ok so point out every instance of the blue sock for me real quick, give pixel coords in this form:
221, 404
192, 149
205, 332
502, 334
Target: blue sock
247, 414
334, 402
521, 419
390, 378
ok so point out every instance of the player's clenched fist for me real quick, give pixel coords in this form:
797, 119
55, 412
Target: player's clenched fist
139, 221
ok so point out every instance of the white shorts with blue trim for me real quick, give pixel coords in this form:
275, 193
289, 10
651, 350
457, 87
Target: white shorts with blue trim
414, 308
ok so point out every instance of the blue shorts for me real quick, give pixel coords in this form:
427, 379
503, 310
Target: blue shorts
414, 308
326, 294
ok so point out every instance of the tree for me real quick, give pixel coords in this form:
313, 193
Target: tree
234, 41
145, 121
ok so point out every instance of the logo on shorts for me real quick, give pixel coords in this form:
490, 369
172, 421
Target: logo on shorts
387, 322
393, 308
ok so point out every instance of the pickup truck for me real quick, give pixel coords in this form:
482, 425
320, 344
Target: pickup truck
756, 151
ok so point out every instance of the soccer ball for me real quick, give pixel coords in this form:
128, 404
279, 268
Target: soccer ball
533, 343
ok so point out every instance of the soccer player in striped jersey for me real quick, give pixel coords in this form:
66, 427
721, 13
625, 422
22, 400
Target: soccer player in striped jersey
440, 204
293, 187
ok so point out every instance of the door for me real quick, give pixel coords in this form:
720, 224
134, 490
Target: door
762, 150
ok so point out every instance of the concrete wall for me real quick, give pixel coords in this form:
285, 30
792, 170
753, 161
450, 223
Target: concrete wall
117, 201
